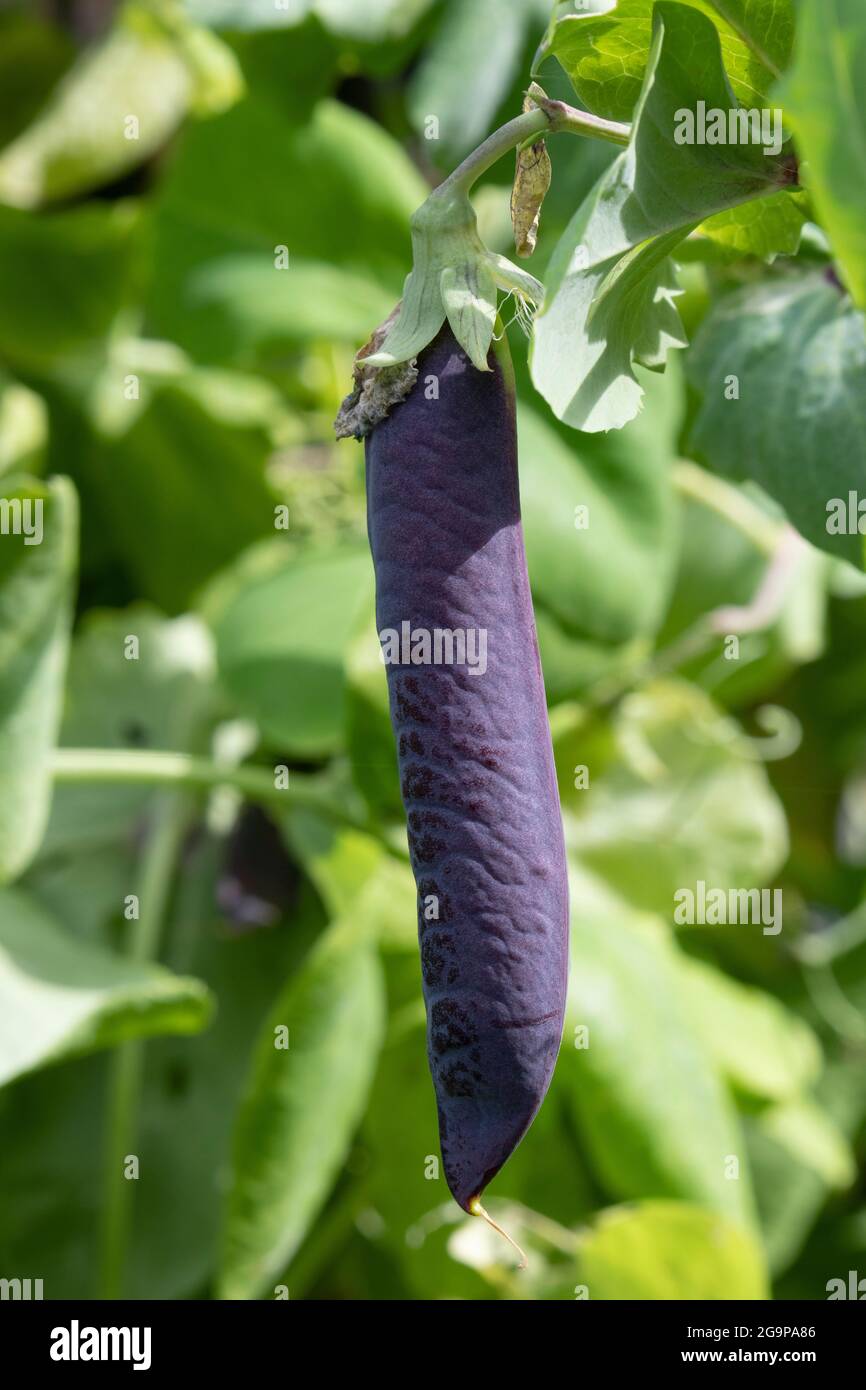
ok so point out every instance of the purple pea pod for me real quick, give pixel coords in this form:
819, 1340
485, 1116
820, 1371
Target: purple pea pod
454, 615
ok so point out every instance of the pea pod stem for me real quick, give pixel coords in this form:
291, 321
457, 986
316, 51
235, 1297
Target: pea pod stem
157, 768
170, 820
548, 117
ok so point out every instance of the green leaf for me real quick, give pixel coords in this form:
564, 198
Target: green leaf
624, 483
677, 799
475, 49
796, 350
670, 1251
762, 1048
190, 1089
33, 55
301, 1109
63, 278
281, 644
267, 310
601, 312
134, 71
605, 49
343, 171
36, 594
645, 1136
811, 1136
768, 227
187, 462
23, 428
60, 997
825, 102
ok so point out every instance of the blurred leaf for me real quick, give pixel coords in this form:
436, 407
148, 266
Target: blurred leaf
465, 72
190, 469
191, 1085
62, 280
809, 1134
825, 102
605, 49
645, 1136
113, 701
760, 1046
796, 1159
378, 20
82, 138
677, 801
609, 296
37, 574
23, 427
301, 1108
796, 350
33, 55
344, 171
266, 309
60, 997
669, 1250
626, 489
281, 643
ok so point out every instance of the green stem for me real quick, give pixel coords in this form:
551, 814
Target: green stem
548, 117
154, 768
157, 871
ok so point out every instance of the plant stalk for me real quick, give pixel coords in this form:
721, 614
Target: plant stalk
170, 818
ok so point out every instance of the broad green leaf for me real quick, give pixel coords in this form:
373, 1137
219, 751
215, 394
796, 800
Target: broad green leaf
676, 800
189, 467
671, 1251
38, 552
190, 1089
601, 311
60, 997
281, 644
627, 1034
63, 278
624, 484
33, 55
797, 1158
83, 137
301, 1108
761, 1047
825, 102
812, 1137
23, 428
266, 310
605, 48
343, 172
476, 48
768, 227
782, 370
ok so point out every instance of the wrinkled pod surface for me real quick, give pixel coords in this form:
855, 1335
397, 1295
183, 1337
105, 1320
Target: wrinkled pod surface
473, 742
